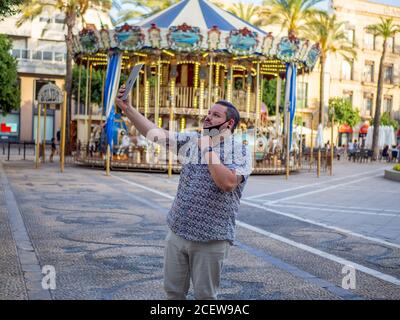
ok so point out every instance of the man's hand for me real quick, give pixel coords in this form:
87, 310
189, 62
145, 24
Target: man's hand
121, 103
204, 142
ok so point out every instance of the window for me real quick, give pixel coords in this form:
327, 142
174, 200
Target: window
58, 56
368, 103
302, 95
347, 70
387, 104
350, 33
49, 127
388, 74
369, 71
45, 19
390, 44
59, 19
369, 41
9, 125
47, 55
37, 55
348, 95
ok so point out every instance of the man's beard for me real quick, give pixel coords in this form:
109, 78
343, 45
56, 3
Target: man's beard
213, 130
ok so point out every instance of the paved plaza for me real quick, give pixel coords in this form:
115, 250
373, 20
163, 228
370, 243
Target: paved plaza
104, 236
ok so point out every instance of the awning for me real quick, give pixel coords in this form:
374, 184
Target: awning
345, 128
364, 129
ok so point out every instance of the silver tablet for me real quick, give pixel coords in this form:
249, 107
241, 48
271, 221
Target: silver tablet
131, 80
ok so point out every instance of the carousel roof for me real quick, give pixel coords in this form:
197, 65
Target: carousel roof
197, 26
202, 14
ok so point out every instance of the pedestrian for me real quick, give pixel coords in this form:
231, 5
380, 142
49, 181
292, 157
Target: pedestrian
53, 149
124, 146
201, 221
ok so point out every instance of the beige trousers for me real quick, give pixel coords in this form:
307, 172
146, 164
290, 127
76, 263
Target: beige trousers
200, 261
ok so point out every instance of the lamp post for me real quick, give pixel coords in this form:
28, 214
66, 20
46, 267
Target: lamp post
332, 116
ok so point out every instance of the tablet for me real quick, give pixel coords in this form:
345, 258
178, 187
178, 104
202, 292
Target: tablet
131, 81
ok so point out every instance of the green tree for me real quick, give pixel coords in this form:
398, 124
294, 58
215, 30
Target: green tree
343, 111
386, 120
73, 10
292, 15
10, 96
385, 29
269, 95
96, 87
142, 9
247, 12
329, 33
9, 7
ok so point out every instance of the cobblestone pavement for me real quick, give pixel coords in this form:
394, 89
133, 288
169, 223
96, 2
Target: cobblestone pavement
105, 235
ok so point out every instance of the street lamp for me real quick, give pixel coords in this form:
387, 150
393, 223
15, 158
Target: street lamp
332, 117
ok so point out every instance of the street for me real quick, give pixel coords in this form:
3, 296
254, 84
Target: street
304, 238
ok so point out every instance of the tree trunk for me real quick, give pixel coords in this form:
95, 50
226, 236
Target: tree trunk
322, 91
71, 19
377, 115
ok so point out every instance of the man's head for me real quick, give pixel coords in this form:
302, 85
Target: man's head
222, 115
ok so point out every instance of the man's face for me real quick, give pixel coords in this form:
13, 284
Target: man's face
217, 115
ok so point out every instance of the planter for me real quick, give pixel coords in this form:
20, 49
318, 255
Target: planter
392, 175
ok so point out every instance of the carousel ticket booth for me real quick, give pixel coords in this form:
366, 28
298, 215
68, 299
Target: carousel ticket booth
194, 54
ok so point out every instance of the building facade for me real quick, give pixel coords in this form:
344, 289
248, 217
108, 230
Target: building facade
356, 80
39, 47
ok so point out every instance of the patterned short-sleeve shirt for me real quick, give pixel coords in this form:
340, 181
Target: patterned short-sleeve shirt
201, 211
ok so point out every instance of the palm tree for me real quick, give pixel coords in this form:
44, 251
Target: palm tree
328, 32
385, 29
72, 9
244, 11
142, 9
291, 14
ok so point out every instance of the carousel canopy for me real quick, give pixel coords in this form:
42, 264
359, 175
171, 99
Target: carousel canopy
205, 15
197, 26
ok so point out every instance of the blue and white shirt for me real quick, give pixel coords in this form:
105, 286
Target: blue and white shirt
201, 211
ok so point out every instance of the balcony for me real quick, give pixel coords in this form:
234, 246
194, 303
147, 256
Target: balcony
40, 62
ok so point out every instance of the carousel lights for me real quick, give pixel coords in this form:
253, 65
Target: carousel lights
239, 58
248, 100
182, 124
140, 54
196, 82
201, 101
160, 122
238, 66
168, 53
146, 97
216, 80
188, 62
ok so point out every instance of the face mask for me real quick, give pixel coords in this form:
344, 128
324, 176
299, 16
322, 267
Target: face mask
213, 130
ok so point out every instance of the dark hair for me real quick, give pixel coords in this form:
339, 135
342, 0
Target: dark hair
231, 112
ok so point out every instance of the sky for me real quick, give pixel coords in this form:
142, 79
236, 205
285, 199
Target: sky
324, 4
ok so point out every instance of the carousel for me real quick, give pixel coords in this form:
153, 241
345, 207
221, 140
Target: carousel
194, 53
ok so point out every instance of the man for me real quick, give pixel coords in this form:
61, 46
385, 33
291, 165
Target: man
202, 218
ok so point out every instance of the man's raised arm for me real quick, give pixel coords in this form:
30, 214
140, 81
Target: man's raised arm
146, 128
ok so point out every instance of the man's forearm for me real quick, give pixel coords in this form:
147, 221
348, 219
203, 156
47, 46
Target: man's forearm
143, 124
223, 177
